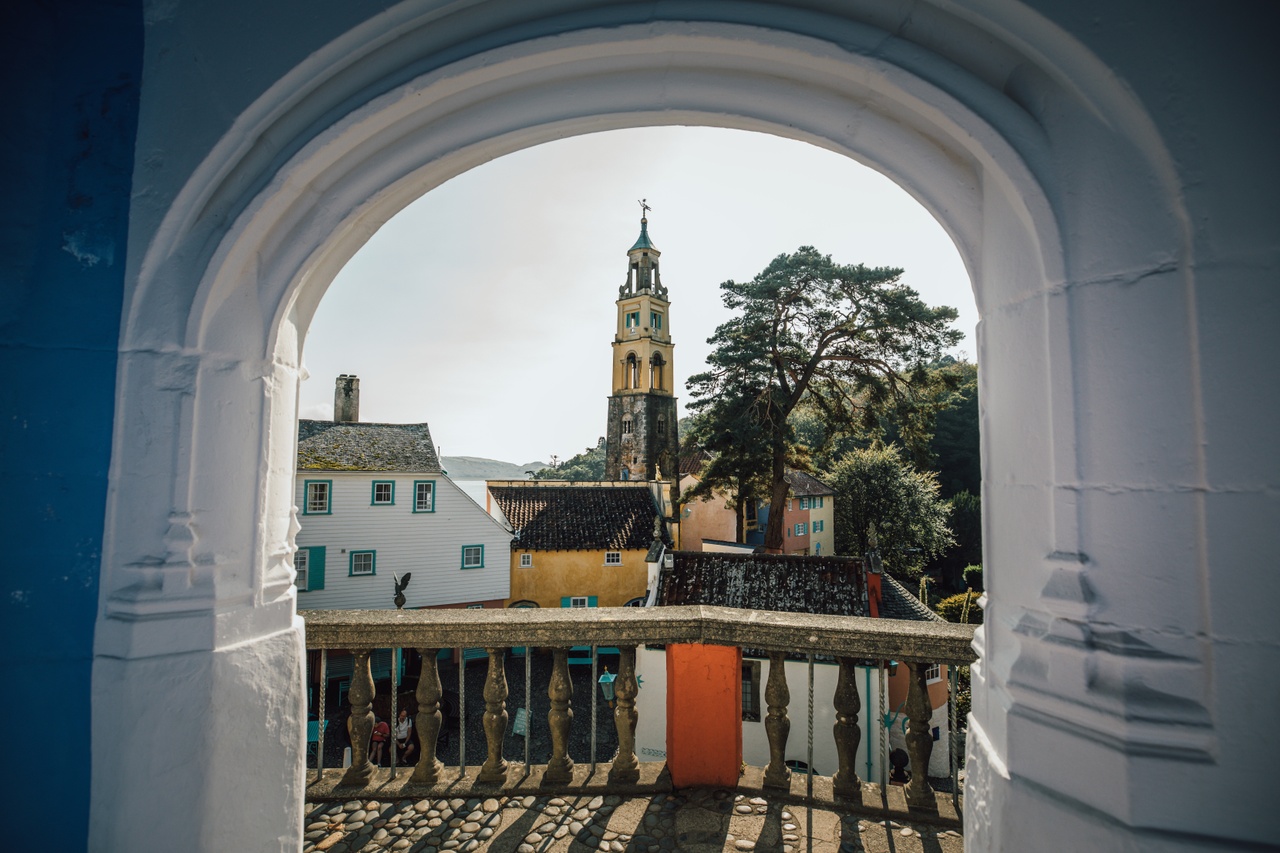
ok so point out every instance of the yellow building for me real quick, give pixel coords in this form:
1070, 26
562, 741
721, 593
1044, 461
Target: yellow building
579, 544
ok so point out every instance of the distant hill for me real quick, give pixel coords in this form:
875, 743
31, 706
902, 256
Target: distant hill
477, 468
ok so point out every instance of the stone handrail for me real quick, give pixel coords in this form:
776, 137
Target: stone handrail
842, 636
847, 639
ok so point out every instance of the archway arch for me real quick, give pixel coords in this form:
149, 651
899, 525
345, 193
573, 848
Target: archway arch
232, 269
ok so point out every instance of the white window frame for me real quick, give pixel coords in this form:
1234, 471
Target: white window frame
301, 558
479, 553
802, 528
391, 493
933, 673
312, 507
579, 601
526, 561
417, 495
613, 558
804, 503
373, 563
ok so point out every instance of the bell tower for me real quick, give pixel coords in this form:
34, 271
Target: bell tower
641, 437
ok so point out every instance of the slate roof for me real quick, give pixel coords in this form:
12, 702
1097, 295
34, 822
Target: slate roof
790, 584
332, 446
692, 461
897, 602
804, 485
578, 518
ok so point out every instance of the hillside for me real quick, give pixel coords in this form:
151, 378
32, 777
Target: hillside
478, 468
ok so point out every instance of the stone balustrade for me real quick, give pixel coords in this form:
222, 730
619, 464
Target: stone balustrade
849, 640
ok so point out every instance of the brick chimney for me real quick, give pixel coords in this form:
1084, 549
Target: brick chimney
346, 400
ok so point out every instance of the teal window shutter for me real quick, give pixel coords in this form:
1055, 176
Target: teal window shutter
591, 601
315, 567
565, 602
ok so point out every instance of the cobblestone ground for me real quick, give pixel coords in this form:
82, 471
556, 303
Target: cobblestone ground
698, 821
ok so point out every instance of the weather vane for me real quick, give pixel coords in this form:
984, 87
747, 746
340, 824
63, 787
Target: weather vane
644, 207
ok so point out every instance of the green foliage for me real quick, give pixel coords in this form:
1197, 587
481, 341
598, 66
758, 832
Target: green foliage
954, 448
726, 428
966, 526
852, 340
587, 466
962, 607
973, 578
877, 485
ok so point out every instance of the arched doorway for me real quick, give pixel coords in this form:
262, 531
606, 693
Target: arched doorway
237, 256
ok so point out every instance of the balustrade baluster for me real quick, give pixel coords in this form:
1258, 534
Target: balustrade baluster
625, 766
360, 724
429, 719
494, 769
560, 692
777, 725
847, 733
919, 737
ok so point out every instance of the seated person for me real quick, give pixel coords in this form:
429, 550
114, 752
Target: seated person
404, 742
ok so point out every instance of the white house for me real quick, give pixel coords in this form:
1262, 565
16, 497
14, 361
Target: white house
373, 504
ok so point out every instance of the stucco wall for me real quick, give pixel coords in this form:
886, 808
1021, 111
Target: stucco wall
72, 72
557, 574
706, 518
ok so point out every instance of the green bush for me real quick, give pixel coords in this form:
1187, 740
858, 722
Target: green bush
953, 608
973, 578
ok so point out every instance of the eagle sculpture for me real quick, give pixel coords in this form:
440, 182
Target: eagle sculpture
401, 583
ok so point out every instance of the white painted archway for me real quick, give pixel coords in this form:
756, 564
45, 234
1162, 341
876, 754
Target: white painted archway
1041, 165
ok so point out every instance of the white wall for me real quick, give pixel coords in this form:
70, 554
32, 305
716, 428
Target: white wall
426, 544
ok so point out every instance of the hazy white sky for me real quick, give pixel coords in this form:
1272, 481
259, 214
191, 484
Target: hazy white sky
486, 308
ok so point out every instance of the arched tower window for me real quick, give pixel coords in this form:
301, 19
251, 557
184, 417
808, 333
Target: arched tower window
631, 377
655, 371
626, 425
662, 425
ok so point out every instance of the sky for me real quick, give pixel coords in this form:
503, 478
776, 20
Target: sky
486, 307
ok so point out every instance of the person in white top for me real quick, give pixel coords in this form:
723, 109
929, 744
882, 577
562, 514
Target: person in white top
404, 743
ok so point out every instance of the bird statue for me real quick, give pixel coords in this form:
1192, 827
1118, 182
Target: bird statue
401, 583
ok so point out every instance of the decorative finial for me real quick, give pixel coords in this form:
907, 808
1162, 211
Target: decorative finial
401, 583
644, 208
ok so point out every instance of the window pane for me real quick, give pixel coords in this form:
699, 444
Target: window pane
424, 497
317, 497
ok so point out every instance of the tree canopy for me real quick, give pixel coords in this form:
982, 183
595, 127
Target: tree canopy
854, 341
877, 485
587, 466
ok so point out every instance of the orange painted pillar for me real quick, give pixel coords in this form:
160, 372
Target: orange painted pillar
704, 714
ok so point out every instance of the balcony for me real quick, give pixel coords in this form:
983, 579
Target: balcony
617, 789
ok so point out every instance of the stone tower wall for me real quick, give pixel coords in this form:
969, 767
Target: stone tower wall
643, 451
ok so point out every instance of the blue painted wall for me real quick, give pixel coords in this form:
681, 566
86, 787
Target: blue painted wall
70, 73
